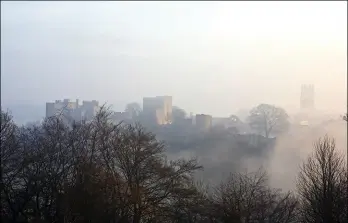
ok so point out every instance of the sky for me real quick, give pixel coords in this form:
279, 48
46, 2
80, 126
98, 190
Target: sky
212, 57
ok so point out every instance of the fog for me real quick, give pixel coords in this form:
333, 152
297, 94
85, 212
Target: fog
215, 58
292, 150
230, 54
281, 162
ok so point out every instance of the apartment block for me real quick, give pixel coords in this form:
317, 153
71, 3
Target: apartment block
158, 109
72, 110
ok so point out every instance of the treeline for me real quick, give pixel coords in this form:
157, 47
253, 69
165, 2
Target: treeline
101, 172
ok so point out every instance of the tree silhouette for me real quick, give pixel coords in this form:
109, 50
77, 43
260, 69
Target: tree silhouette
268, 118
322, 184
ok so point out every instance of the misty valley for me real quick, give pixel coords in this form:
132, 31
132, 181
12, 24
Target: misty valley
158, 164
173, 112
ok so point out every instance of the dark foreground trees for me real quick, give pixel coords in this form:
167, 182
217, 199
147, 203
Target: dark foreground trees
248, 198
323, 184
95, 172
101, 172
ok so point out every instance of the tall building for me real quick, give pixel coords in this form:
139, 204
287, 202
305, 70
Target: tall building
307, 97
70, 110
89, 109
158, 109
60, 107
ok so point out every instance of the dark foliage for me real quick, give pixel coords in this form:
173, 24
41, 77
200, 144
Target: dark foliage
323, 185
102, 172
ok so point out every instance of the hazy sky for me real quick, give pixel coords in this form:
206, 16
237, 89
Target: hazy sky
212, 57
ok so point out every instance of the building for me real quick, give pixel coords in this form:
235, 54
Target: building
204, 122
307, 97
89, 109
71, 110
60, 107
158, 109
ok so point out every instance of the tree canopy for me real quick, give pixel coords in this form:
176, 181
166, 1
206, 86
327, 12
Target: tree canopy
268, 119
99, 171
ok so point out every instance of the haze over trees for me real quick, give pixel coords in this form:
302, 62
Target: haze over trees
133, 109
154, 166
96, 171
102, 172
268, 119
178, 114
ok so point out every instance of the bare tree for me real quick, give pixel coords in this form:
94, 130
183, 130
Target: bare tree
94, 171
101, 172
322, 184
11, 156
246, 197
268, 118
150, 182
193, 207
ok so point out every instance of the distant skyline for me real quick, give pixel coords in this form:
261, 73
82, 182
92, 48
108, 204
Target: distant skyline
212, 57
